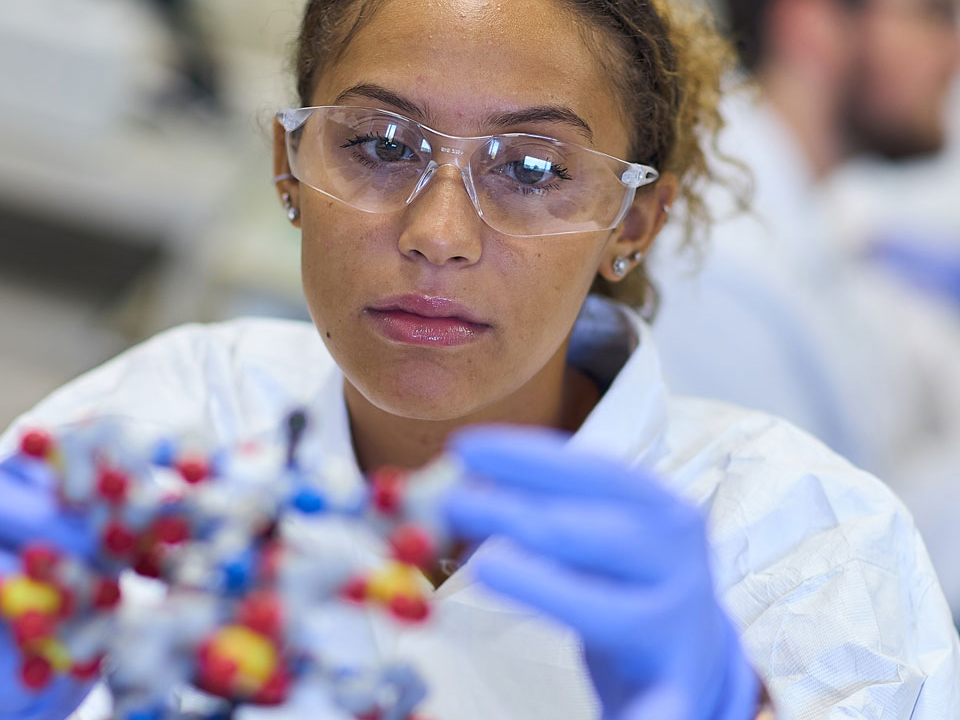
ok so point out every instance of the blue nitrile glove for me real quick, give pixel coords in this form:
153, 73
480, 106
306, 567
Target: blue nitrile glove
608, 551
29, 513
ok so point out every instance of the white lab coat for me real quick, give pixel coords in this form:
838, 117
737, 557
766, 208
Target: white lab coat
817, 563
775, 317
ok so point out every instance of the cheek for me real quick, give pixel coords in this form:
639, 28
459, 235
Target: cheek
332, 260
548, 287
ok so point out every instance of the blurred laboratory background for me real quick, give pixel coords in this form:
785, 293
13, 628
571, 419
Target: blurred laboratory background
135, 177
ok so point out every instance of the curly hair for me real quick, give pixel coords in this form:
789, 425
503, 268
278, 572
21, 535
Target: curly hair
666, 60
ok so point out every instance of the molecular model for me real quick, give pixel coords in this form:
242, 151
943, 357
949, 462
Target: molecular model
231, 535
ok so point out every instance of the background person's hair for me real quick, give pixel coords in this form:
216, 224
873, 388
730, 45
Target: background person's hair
665, 60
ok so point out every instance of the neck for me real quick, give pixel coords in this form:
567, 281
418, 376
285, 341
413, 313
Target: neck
809, 106
557, 397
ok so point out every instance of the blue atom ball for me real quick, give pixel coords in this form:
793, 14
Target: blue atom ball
309, 502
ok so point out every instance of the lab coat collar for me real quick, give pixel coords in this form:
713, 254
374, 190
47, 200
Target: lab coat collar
629, 423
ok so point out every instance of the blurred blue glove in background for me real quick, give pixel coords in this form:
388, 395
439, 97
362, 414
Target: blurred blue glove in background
608, 551
932, 267
29, 513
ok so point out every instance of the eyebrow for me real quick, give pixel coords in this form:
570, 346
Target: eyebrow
541, 113
538, 113
378, 92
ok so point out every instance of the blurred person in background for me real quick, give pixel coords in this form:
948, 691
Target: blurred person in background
772, 316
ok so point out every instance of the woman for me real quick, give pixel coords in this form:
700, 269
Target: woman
446, 277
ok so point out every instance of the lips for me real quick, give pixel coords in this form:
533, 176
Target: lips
426, 320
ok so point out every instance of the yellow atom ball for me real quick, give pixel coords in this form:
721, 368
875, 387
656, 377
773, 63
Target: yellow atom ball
395, 579
22, 594
254, 655
54, 651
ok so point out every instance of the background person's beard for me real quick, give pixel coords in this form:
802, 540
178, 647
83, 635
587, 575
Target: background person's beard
868, 132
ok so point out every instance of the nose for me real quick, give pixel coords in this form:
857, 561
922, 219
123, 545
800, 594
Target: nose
440, 225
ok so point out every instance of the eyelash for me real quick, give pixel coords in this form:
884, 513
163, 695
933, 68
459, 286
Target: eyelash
360, 139
542, 190
364, 160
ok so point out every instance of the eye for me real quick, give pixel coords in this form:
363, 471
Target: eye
533, 171
381, 148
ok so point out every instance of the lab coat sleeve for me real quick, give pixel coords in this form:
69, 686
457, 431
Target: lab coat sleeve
825, 574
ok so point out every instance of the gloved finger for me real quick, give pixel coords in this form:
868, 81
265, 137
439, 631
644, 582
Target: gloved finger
29, 514
626, 541
607, 614
18, 468
662, 700
537, 460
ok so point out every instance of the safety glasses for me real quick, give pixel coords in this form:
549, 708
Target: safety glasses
520, 184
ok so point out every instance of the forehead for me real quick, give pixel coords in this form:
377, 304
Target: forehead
468, 59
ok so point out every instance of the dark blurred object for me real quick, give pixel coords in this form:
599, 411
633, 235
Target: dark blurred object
71, 261
196, 65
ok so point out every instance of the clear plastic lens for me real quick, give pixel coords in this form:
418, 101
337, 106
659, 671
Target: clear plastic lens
520, 184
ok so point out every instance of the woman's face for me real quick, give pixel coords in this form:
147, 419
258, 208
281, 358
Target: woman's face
429, 312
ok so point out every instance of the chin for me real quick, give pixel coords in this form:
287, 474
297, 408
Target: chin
422, 394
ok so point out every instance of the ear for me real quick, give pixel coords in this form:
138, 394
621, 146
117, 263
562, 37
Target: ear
286, 184
633, 238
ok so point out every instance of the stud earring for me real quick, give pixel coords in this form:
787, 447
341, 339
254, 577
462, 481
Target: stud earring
292, 212
622, 264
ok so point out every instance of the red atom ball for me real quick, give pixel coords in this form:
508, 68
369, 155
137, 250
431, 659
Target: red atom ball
118, 539
39, 562
388, 485
107, 595
261, 611
409, 608
275, 690
87, 670
36, 443
216, 673
412, 545
31, 626
355, 590
113, 485
149, 563
171, 529
68, 604
193, 470
36, 672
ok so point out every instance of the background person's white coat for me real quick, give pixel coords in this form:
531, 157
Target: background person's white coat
778, 318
